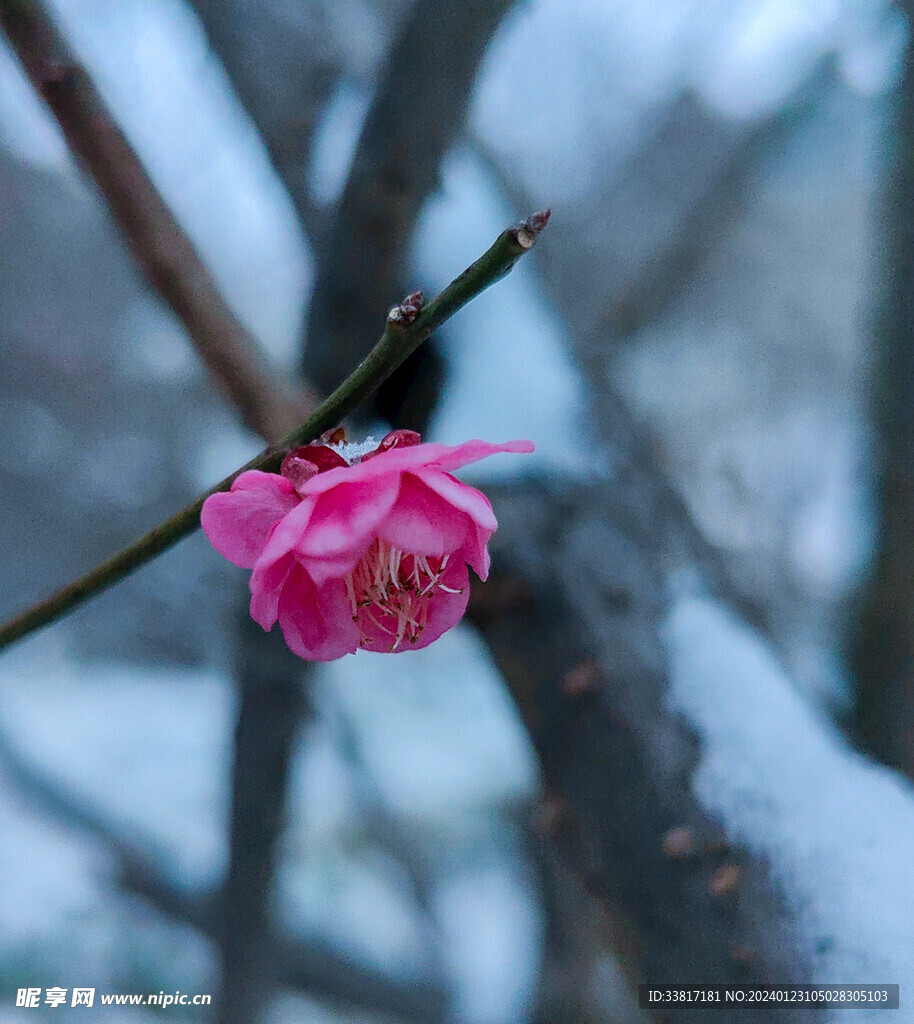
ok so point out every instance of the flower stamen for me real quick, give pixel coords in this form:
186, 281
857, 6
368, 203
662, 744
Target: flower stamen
391, 590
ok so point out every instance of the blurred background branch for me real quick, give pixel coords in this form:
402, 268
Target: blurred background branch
406, 135
309, 965
160, 247
883, 649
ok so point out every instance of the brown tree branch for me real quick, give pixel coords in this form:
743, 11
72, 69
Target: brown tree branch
572, 613
266, 402
580, 586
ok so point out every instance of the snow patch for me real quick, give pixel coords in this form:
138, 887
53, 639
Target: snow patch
837, 829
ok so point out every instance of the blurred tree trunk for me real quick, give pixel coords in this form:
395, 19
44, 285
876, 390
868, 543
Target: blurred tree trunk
883, 650
418, 112
270, 709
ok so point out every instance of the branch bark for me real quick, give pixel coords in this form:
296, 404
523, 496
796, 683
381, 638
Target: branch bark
572, 613
883, 648
162, 250
580, 587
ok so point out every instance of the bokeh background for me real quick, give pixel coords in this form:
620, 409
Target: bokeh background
709, 348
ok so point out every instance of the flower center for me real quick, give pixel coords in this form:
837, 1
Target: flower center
391, 590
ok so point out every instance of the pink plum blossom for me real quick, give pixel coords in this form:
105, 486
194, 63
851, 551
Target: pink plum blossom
352, 550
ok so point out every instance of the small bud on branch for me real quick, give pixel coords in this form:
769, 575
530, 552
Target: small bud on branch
528, 230
406, 312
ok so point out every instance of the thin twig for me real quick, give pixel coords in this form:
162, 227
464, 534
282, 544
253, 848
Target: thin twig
407, 327
266, 401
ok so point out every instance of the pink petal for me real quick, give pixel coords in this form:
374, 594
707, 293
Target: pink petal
422, 522
473, 451
239, 523
316, 621
476, 552
266, 584
343, 524
275, 564
476, 505
385, 464
400, 459
289, 532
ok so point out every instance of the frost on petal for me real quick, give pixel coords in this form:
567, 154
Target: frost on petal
380, 466
239, 523
316, 621
422, 522
403, 459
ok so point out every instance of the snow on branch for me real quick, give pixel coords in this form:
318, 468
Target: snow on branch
836, 829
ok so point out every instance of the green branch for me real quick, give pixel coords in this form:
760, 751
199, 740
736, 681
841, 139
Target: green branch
408, 325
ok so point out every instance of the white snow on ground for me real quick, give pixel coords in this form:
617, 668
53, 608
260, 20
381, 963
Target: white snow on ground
146, 747
406, 713
440, 737
119, 742
149, 750
837, 829
492, 934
